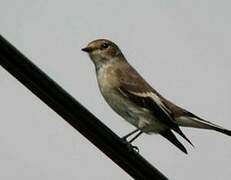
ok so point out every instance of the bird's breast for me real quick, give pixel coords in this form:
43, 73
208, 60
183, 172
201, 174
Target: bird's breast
106, 78
138, 116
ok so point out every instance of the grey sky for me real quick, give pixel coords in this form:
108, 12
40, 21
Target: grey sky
181, 47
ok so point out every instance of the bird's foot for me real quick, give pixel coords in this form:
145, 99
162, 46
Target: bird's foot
130, 146
135, 148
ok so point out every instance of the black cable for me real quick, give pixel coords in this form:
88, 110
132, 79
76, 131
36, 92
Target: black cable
75, 114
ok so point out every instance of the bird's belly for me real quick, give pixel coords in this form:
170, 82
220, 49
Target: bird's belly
139, 117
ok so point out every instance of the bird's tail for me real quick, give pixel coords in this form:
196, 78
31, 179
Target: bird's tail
168, 134
196, 122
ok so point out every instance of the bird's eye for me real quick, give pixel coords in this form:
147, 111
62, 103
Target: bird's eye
104, 45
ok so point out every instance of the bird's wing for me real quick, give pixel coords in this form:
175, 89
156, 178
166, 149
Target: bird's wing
137, 90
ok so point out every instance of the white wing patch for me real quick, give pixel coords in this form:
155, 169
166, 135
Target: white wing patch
155, 98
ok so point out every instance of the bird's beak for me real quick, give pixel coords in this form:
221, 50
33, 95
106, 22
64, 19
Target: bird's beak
87, 49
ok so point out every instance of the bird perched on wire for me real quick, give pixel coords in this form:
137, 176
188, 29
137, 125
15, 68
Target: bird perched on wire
136, 101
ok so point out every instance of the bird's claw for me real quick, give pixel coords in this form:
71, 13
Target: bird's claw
135, 148
130, 146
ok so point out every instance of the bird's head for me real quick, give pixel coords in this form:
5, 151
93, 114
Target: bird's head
103, 51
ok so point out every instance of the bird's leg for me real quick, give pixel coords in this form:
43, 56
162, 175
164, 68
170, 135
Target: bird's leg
129, 134
136, 136
135, 147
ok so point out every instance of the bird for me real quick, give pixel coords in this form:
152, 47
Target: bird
136, 101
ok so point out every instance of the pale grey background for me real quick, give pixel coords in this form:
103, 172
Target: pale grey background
181, 47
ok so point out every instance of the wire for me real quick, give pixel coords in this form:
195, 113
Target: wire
75, 114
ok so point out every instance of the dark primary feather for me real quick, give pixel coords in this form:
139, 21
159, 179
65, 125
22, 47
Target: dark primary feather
208, 124
149, 103
224, 131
